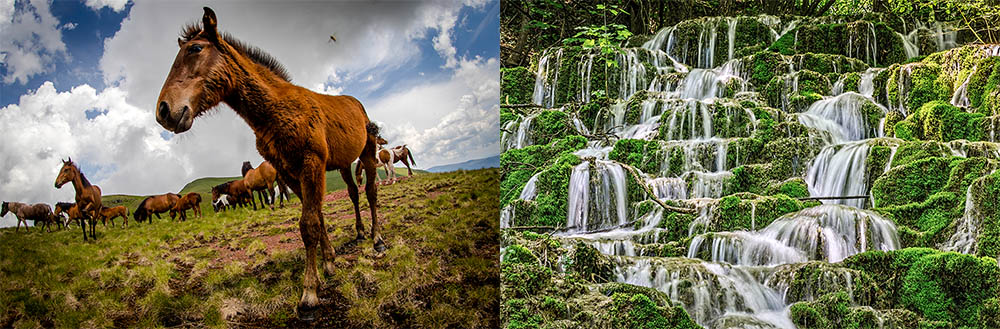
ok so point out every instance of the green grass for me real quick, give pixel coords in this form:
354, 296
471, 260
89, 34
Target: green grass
244, 267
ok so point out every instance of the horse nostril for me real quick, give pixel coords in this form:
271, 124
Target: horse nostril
184, 112
164, 111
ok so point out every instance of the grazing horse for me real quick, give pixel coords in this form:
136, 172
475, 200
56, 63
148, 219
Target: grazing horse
189, 201
301, 132
237, 191
260, 180
222, 202
38, 212
155, 205
109, 214
88, 197
71, 210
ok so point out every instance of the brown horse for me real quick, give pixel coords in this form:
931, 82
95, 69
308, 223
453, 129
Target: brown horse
155, 205
238, 192
39, 212
260, 180
109, 214
189, 201
88, 197
302, 133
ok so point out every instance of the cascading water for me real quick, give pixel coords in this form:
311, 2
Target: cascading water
694, 128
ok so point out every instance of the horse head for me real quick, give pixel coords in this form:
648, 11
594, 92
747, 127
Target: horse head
193, 84
67, 173
246, 167
380, 140
4, 210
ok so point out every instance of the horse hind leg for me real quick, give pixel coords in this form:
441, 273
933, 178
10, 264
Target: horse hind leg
372, 195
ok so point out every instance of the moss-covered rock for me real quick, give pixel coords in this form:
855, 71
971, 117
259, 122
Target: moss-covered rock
639, 311
590, 264
938, 120
913, 182
913, 85
874, 43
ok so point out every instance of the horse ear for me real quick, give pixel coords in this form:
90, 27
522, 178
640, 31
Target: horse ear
180, 42
208, 22
69, 160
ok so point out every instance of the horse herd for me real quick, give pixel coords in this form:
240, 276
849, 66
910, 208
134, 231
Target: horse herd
259, 182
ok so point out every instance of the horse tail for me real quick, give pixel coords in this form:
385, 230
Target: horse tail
373, 131
410, 155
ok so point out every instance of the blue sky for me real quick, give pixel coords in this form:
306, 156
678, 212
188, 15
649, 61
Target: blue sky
79, 80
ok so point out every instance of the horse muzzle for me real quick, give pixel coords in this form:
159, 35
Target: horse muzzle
174, 119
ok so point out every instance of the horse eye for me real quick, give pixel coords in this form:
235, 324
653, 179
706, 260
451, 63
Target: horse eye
194, 48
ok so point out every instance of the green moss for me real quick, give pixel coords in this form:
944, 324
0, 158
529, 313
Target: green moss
518, 165
518, 316
913, 182
639, 311
516, 85
637, 153
750, 212
985, 191
924, 224
794, 188
950, 287
549, 126
910, 152
941, 121
764, 66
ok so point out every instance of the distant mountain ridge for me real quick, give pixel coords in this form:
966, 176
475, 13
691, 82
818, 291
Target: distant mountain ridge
490, 162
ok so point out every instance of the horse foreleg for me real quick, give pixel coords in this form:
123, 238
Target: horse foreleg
312, 186
371, 194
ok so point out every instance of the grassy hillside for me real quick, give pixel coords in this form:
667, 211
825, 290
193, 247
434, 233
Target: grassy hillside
244, 268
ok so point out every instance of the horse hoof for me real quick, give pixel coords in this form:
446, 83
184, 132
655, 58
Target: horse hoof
379, 246
306, 313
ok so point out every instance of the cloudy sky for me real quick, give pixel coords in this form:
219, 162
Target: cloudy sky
80, 79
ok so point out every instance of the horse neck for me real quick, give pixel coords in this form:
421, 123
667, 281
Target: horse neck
78, 182
251, 92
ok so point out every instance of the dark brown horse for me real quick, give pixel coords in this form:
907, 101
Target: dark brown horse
88, 197
302, 133
260, 180
238, 193
155, 205
188, 201
109, 214
39, 212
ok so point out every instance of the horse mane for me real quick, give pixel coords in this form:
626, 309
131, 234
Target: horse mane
255, 54
83, 178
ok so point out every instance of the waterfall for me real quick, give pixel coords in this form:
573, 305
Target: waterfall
964, 239
826, 232
839, 170
522, 135
866, 86
845, 111
597, 196
909, 44
547, 78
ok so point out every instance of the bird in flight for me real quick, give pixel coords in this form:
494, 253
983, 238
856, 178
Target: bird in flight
333, 38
